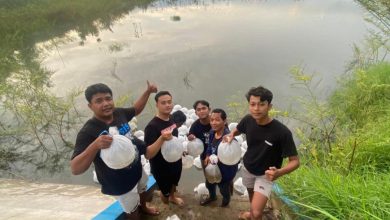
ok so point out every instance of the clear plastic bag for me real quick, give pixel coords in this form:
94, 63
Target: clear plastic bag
229, 154
172, 150
239, 187
120, 154
198, 163
212, 173
195, 147
187, 161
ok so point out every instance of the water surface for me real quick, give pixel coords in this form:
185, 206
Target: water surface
211, 50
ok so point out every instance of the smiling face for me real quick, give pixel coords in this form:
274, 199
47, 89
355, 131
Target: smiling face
259, 109
164, 104
202, 111
102, 106
216, 122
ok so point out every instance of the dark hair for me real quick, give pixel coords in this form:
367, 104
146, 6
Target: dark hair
203, 102
221, 111
161, 93
263, 93
95, 89
179, 117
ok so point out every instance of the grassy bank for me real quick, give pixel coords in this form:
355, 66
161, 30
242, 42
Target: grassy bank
324, 193
351, 178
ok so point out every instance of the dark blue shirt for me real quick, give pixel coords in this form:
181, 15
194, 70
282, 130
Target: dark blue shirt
228, 172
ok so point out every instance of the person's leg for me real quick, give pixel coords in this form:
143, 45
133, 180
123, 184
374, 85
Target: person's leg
247, 214
231, 187
133, 216
174, 198
212, 189
173, 181
224, 189
257, 206
130, 202
144, 208
163, 185
262, 192
212, 194
248, 180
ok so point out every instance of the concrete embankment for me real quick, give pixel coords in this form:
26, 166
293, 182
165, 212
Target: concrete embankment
22, 199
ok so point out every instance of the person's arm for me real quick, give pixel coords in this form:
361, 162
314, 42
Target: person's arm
139, 105
206, 161
153, 149
207, 154
273, 173
191, 137
81, 162
229, 137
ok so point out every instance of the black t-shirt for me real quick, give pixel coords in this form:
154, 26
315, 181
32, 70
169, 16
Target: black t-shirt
158, 164
267, 145
201, 131
114, 182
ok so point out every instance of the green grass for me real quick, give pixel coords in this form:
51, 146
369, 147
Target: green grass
351, 180
322, 193
363, 96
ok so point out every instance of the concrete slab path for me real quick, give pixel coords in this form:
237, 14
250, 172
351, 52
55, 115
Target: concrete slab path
20, 199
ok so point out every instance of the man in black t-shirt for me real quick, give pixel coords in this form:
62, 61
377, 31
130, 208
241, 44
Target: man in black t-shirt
269, 141
201, 127
167, 174
126, 183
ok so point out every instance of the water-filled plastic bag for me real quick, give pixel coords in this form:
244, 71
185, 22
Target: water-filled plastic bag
139, 133
189, 122
195, 147
229, 154
120, 154
239, 187
172, 150
183, 130
239, 139
198, 162
213, 159
184, 110
201, 191
187, 161
232, 126
147, 168
212, 173
244, 145
176, 107
182, 138
193, 116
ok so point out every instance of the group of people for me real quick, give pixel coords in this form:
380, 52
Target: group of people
269, 141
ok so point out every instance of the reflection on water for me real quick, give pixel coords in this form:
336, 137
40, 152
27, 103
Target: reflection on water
208, 49
239, 43
213, 49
